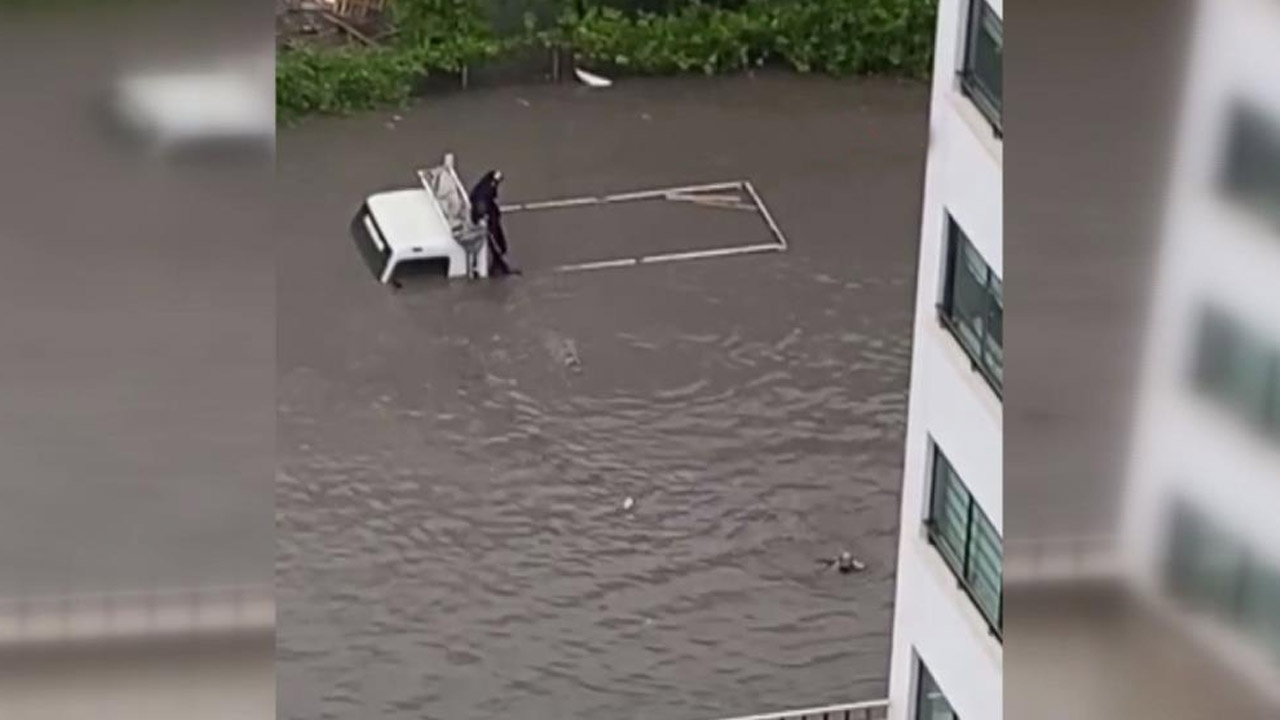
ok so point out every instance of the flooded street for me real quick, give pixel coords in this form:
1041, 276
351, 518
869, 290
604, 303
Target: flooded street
454, 461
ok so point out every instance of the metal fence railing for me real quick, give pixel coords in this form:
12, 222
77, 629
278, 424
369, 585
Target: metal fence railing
136, 615
356, 8
867, 710
1079, 558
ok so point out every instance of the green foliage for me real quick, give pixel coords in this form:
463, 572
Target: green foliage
832, 36
431, 36
839, 37
453, 33
854, 36
697, 37
344, 80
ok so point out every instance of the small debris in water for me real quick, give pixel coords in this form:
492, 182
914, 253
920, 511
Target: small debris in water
523, 102
591, 79
629, 503
565, 351
571, 359
396, 118
646, 117
845, 563
390, 126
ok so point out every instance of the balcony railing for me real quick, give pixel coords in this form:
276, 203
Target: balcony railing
1062, 559
868, 710
975, 361
136, 615
960, 568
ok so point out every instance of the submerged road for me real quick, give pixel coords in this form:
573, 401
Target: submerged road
454, 461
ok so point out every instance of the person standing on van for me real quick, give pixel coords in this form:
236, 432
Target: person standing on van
484, 205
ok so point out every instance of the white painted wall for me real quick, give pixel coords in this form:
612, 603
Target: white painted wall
1210, 251
950, 404
1186, 446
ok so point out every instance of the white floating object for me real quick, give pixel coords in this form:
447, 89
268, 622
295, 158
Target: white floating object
628, 503
591, 80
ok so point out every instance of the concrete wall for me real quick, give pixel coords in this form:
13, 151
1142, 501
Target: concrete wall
950, 403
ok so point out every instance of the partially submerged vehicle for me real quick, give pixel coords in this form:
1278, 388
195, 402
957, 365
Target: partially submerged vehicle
230, 100
422, 231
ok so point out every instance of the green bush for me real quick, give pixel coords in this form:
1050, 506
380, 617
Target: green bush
344, 80
851, 36
696, 37
431, 36
838, 37
832, 36
453, 33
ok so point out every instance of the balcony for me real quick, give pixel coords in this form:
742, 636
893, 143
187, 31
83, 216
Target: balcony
869, 710
136, 616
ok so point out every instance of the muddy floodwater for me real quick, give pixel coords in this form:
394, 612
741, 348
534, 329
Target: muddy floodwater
454, 536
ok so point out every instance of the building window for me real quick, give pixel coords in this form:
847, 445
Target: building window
1210, 572
967, 541
982, 75
973, 306
1260, 606
1251, 167
1239, 370
1203, 565
931, 704
1273, 403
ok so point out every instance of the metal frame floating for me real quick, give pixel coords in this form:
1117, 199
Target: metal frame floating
695, 194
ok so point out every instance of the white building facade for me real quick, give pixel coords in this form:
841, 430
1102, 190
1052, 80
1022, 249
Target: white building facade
1200, 542
947, 637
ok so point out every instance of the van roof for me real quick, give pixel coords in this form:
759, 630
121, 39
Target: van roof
411, 222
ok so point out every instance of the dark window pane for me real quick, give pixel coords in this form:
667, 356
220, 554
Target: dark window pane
1178, 559
1250, 374
993, 349
983, 67
1260, 611
1273, 401
425, 268
985, 563
1211, 572
988, 53
369, 241
950, 512
1237, 368
971, 300
1252, 167
1205, 566
931, 704
966, 539
1214, 351
973, 304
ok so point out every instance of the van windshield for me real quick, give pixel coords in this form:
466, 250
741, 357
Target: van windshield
417, 269
370, 242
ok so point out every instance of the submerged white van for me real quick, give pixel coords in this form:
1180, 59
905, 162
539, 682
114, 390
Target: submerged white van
228, 100
422, 231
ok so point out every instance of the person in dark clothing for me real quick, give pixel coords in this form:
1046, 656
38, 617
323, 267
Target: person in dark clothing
484, 206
